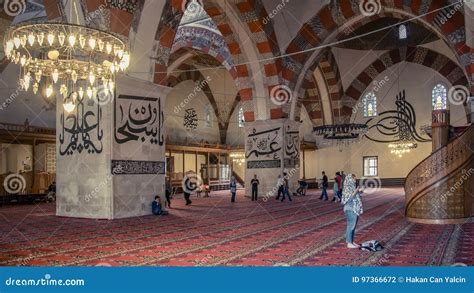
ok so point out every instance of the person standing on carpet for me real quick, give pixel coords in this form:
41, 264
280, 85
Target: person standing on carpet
187, 193
280, 187
324, 194
168, 191
352, 208
233, 188
286, 188
254, 184
337, 187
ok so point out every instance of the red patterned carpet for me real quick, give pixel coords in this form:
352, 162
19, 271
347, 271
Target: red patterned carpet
213, 231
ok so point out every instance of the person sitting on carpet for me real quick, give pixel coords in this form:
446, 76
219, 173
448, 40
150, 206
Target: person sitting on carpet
303, 187
352, 208
156, 207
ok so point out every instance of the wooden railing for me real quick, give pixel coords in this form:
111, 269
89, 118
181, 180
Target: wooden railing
438, 166
27, 128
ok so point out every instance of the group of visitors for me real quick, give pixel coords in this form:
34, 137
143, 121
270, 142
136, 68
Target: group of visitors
345, 191
337, 187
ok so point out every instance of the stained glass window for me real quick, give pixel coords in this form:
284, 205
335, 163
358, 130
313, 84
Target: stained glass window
370, 105
241, 117
438, 97
402, 32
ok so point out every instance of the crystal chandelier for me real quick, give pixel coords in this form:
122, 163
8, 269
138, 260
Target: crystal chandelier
238, 158
341, 135
74, 60
401, 148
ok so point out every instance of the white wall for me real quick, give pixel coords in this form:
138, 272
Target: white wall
418, 82
174, 117
13, 156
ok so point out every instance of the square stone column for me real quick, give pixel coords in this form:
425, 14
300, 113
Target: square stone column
272, 147
471, 106
111, 152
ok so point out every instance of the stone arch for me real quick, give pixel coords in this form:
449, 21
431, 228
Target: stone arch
418, 55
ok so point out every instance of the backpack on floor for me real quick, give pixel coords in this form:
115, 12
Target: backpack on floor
372, 245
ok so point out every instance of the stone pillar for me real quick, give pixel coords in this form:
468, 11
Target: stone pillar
471, 106
111, 152
440, 128
272, 147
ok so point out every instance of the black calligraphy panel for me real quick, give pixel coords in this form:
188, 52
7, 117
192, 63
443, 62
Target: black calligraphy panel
263, 144
292, 149
81, 130
138, 119
396, 125
190, 121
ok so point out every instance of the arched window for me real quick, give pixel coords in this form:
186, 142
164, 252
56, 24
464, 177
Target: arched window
241, 117
370, 105
402, 32
438, 97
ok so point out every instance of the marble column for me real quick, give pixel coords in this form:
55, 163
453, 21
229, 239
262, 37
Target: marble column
111, 152
272, 148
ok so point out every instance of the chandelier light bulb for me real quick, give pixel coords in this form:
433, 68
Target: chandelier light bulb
23, 60
23, 40
91, 78
92, 43
55, 75
31, 39
74, 76
89, 92
61, 38
101, 45
49, 91
69, 106
82, 41
63, 90
108, 48
17, 42
51, 38
81, 93
35, 88
72, 40
40, 38
120, 53
26, 81
38, 75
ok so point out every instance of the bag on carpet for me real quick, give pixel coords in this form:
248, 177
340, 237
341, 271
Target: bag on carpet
372, 245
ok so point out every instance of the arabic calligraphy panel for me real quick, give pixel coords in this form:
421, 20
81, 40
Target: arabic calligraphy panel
81, 130
125, 167
138, 119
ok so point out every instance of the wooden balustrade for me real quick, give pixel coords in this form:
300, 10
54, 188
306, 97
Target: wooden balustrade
428, 184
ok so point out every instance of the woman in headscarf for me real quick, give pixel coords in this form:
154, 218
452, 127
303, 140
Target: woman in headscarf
352, 207
233, 188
